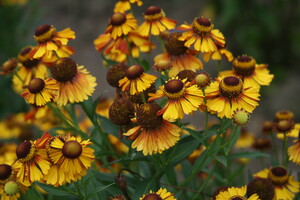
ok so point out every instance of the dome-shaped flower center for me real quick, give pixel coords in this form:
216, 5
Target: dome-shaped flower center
121, 111
146, 115
262, 187
202, 25
240, 117
118, 19
44, 33
174, 46
284, 115
278, 175
153, 13
64, 69
186, 74
72, 149
174, 88
162, 65
9, 65
152, 196
5, 171
23, 149
284, 125
134, 71
25, 59
231, 87
36, 85
244, 65
116, 73
11, 188
203, 79
237, 197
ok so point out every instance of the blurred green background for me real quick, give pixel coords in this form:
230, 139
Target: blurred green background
267, 30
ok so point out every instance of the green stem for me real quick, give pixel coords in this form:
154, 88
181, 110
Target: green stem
18, 76
284, 151
143, 97
206, 111
275, 148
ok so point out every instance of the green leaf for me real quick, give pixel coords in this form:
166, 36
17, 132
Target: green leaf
248, 155
59, 191
222, 160
171, 175
232, 140
184, 148
108, 126
99, 189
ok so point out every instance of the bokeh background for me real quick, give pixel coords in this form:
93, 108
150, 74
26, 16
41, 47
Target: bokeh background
268, 30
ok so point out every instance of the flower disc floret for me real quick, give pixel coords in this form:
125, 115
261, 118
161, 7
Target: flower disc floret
44, 33
11, 188
118, 19
244, 65
146, 115
202, 24
278, 175
134, 72
174, 88
23, 149
152, 196
153, 13
5, 171
36, 85
64, 69
262, 187
72, 149
174, 46
231, 87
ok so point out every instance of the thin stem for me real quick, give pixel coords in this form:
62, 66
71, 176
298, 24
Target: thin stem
275, 148
18, 76
206, 111
284, 151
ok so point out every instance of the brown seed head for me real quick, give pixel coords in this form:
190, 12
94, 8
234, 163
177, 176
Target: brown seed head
116, 73
5, 171
23, 149
36, 85
118, 19
152, 10
152, 196
64, 69
186, 74
173, 86
262, 187
42, 29
134, 71
146, 115
203, 21
72, 149
121, 111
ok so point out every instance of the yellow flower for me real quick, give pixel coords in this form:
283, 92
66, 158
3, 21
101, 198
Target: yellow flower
32, 163
121, 24
227, 94
49, 40
40, 92
136, 80
161, 194
294, 152
181, 57
217, 55
155, 22
183, 98
202, 35
124, 5
72, 158
75, 83
153, 134
234, 193
252, 74
285, 185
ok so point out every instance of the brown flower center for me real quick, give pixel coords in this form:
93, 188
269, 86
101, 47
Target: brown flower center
231, 87
10, 65
202, 25
134, 71
116, 73
284, 125
244, 65
278, 175
118, 19
152, 196
152, 10
174, 46
284, 115
146, 115
36, 85
64, 69
5, 171
237, 198
186, 74
203, 79
262, 187
44, 33
25, 51
42, 29
121, 111
72, 149
23, 149
173, 86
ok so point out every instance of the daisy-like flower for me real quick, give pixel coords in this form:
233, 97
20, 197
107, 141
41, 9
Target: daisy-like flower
153, 134
40, 92
284, 124
227, 94
155, 22
181, 57
72, 158
11, 189
136, 81
121, 24
161, 194
234, 193
32, 163
294, 151
28, 69
124, 5
217, 55
183, 98
49, 40
202, 35
75, 83
252, 74
285, 185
